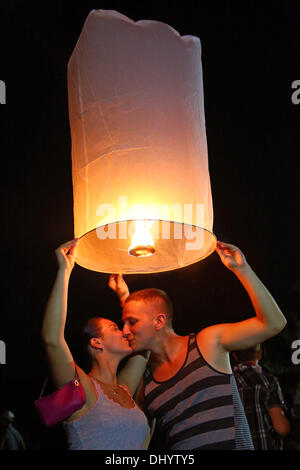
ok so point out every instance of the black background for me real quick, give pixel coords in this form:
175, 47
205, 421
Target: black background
250, 57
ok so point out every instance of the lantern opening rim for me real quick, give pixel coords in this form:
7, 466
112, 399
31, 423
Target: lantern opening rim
140, 269
148, 219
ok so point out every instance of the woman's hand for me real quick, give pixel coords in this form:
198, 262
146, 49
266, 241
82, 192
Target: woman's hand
65, 255
231, 256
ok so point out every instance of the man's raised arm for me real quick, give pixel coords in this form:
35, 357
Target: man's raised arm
269, 320
119, 286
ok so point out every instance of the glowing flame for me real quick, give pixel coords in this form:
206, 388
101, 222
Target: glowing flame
142, 243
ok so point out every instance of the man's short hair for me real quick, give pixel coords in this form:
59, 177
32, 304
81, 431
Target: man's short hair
151, 295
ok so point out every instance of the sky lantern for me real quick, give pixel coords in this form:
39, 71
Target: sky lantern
141, 184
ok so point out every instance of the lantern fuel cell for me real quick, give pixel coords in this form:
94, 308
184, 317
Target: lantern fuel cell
139, 150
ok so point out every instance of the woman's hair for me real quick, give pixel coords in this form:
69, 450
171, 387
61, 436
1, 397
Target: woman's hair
92, 329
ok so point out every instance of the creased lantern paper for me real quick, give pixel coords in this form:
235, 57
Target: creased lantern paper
139, 148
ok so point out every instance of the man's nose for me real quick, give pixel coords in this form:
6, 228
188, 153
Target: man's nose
126, 331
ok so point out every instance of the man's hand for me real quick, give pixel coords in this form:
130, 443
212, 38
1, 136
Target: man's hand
65, 255
269, 319
231, 256
119, 286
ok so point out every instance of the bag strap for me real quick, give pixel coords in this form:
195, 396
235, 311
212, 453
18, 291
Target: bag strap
75, 378
43, 388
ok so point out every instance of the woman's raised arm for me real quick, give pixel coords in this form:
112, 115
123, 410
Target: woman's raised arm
59, 356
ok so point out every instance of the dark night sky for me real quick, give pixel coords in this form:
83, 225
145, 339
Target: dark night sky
251, 56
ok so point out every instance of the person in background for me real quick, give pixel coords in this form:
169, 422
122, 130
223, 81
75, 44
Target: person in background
262, 398
10, 438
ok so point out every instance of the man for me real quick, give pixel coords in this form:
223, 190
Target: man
189, 386
262, 399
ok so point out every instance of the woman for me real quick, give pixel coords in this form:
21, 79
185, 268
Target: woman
109, 419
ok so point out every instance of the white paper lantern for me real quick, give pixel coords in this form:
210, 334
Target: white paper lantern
139, 151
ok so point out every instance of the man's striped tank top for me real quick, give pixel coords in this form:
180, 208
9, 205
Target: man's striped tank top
198, 408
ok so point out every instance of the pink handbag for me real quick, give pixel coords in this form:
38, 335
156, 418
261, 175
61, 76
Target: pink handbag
61, 403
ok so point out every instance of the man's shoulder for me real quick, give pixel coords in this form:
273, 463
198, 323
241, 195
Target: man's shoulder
209, 337
211, 331
209, 344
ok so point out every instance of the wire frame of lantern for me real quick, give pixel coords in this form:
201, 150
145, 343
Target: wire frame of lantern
141, 184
